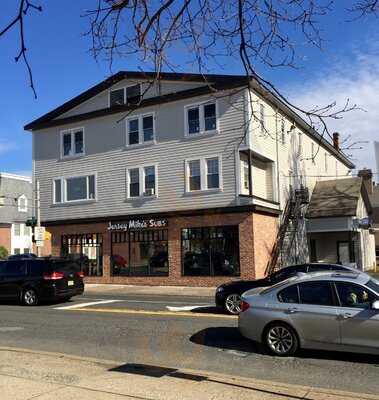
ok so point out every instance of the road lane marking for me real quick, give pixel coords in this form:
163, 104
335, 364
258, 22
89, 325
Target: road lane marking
152, 313
11, 328
188, 308
82, 305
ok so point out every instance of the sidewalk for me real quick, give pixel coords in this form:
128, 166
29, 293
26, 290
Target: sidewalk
150, 290
28, 375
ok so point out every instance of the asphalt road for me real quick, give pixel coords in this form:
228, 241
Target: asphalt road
142, 329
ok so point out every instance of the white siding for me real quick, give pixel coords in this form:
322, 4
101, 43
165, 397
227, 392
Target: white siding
107, 156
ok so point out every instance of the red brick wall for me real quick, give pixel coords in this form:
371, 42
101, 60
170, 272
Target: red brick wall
248, 258
265, 229
5, 237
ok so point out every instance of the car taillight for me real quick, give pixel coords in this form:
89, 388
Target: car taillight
80, 274
244, 306
53, 276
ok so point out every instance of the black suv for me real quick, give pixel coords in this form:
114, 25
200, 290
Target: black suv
40, 279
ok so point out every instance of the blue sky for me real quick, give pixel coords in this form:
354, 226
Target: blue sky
348, 66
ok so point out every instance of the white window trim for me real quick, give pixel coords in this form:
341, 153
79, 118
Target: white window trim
72, 133
22, 209
203, 174
14, 229
124, 89
140, 117
141, 176
63, 180
202, 131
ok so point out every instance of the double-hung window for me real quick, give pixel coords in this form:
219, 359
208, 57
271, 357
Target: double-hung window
125, 95
203, 174
72, 142
142, 181
140, 129
201, 119
78, 188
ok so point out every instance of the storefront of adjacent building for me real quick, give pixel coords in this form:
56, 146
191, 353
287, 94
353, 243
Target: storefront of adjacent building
195, 248
339, 224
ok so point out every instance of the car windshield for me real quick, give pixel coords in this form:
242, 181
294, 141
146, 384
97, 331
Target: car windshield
374, 285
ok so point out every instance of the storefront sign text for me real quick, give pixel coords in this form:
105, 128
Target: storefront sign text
138, 224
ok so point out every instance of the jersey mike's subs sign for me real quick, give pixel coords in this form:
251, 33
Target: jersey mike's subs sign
135, 224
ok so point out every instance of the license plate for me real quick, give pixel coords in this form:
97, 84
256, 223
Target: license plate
70, 283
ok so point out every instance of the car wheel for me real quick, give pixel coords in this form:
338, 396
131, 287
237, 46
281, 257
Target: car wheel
281, 340
233, 304
30, 297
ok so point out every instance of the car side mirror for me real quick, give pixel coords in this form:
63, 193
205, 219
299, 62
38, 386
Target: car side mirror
375, 305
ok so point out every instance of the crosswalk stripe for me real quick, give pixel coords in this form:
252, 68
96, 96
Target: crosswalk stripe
83, 305
157, 313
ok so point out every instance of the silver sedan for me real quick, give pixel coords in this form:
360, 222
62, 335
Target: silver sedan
327, 310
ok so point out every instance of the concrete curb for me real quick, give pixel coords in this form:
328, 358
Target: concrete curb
262, 386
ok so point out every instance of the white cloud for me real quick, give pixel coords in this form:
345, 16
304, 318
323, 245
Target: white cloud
356, 79
5, 147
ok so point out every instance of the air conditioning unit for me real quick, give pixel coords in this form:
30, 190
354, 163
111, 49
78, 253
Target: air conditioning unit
149, 192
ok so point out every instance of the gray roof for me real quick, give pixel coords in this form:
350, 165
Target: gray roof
374, 198
335, 198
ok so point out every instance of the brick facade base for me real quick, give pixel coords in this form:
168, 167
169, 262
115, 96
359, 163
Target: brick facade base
5, 236
257, 233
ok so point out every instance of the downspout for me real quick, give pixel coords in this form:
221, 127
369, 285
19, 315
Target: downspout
277, 161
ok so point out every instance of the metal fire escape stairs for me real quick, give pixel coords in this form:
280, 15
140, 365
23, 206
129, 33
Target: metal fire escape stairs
288, 230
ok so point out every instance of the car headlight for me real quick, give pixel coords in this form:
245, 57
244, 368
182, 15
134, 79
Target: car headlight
219, 289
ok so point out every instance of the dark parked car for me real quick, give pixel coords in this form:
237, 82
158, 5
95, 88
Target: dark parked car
228, 295
19, 256
40, 279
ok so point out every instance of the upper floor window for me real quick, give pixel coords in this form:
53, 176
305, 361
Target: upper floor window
245, 174
17, 229
142, 181
140, 129
203, 174
126, 95
76, 188
300, 143
22, 203
72, 142
201, 118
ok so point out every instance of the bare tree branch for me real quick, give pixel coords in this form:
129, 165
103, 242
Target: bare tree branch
24, 7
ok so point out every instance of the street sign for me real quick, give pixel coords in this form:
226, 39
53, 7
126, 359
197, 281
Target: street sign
39, 234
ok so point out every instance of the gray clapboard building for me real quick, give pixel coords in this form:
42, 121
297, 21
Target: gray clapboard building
16, 206
181, 181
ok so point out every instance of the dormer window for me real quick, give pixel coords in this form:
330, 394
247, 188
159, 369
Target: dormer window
22, 203
125, 95
117, 97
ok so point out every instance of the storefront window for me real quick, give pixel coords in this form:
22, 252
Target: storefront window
140, 253
86, 250
210, 251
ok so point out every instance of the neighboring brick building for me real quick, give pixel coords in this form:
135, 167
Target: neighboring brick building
15, 208
180, 187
